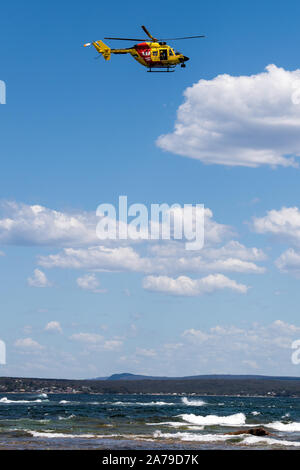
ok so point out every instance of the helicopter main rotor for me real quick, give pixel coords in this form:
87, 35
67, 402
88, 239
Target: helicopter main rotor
153, 39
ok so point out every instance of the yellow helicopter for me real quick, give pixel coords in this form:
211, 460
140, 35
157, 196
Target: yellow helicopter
153, 54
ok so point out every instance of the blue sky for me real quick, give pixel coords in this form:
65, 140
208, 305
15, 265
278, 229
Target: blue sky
77, 132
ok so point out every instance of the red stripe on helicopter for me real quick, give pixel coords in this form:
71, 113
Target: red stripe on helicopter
144, 50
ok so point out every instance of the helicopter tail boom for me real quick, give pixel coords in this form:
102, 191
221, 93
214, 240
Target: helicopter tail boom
101, 48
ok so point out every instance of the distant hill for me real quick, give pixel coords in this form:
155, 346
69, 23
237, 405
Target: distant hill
128, 376
212, 385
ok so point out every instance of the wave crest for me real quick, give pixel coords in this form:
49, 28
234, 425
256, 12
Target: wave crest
188, 402
237, 419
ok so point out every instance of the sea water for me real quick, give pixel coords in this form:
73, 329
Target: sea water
84, 421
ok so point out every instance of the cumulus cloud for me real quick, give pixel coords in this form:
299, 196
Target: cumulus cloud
223, 349
75, 235
97, 257
244, 120
283, 225
39, 279
90, 282
186, 286
91, 338
289, 262
278, 334
36, 225
146, 352
22, 224
95, 341
231, 257
53, 326
127, 259
27, 344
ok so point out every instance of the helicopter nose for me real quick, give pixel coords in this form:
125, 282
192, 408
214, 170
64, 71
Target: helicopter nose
185, 58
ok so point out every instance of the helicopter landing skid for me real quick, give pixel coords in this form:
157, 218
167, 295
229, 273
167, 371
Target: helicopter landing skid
161, 71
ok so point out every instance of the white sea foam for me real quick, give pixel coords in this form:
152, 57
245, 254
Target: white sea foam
176, 424
56, 435
255, 413
195, 428
250, 440
188, 402
66, 417
246, 440
237, 419
151, 403
288, 427
156, 403
186, 436
64, 402
5, 400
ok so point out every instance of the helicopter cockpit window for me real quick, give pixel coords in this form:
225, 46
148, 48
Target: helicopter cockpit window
171, 52
154, 53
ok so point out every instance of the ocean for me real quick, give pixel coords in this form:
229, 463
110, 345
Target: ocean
82, 421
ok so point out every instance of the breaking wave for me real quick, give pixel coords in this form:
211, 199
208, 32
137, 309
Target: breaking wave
188, 402
151, 403
249, 440
5, 400
252, 440
237, 419
186, 436
57, 434
289, 427
177, 424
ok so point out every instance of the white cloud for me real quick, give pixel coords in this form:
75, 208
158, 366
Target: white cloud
186, 286
91, 338
27, 344
232, 257
166, 258
22, 224
97, 342
146, 352
289, 262
90, 282
244, 120
37, 225
278, 334
112, 345
53, 326
284, 224
98, 257
39, 279
221, 349
234, 249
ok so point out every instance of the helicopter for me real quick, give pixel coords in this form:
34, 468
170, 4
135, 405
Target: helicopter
154, 54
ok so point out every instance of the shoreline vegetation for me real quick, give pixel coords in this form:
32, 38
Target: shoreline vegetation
288, 387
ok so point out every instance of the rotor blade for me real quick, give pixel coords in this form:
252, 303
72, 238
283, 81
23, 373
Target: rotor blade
127, 39
148, 34
176, 39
